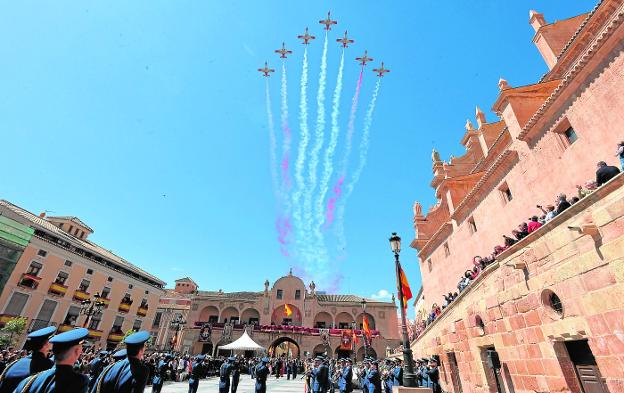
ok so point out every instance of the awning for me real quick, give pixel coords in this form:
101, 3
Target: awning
244, 343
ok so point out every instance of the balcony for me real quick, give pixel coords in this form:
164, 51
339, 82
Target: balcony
95, 334
124, 307
142, 311
57, 289
29, 281
308, 331
64, 328
105, 301
4, 318
80, 295
115, 336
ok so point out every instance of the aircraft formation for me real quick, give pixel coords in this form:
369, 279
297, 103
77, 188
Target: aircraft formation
306, 38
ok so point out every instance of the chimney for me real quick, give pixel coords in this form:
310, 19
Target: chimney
536, 20
480, 117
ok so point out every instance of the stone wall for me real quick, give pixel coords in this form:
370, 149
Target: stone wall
579, 256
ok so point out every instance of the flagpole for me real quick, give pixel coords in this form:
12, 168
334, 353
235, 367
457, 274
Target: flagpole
409, 378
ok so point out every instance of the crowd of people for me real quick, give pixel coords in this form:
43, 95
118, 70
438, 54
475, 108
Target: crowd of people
604, 173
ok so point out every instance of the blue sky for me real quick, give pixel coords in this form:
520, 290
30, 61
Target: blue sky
147, 120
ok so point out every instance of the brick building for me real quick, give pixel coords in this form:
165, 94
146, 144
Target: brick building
547, 316
58, 267
317, 322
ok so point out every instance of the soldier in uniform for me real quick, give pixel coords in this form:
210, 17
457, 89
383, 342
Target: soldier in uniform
224, 376
374, 379
236, 371
198, 371
387, 376
37, 361
159, 374
319, 376
262, 372
119, 355
434, 376
363, 374
67, 348
96, 366
345, 383
397, 373
128, 375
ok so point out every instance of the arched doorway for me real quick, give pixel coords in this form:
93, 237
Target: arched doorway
284, 347
369, 351
341, 353
322, 349
207, 349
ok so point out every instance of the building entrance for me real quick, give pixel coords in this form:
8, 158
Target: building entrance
284, 346
586, 368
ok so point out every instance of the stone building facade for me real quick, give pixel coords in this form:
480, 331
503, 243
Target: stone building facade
59, 268
317, 322
547, 316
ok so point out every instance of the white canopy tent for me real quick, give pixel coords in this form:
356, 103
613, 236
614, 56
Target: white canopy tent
244, 343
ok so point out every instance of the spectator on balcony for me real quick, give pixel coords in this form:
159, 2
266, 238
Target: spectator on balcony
533, 225
605, 172
562, 203
508, 241
582, 192
620, 154
549, 212
475, 272
518, 235
37, 361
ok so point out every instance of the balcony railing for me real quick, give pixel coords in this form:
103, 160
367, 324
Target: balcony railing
29, 281
64, 328
286, 329
57, 289
95, 334
142, 311
124, 307
115, 337
80, 295
105, 301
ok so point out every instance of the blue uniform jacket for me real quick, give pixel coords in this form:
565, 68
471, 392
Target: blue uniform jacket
398, 376
17, 371
320, 377
125, 376
57, 379
224, 377
262, 371
374, 381
159, 373
345, 381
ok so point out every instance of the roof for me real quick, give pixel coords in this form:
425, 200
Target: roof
43, 224
186, 279
71, 218
243, 343
231, 295
346, 299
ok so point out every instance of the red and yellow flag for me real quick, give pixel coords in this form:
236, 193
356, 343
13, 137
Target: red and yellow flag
366, 327
407, 291
287, 310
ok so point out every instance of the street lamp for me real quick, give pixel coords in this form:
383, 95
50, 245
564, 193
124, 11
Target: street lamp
363, 302
176, 323
409, 379
91, 308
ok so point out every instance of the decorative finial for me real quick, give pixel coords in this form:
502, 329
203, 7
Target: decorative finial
417, 209
480, 117
435, 156
503, 84
469, 126
290, 272
393, 298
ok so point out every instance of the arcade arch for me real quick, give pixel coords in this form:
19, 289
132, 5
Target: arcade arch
322, 349
344, 320
229, 314
209, 314
250, 316
371, 321
284, 346
369, 351
323, 320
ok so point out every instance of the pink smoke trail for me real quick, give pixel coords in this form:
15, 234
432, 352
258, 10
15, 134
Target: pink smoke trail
331, 203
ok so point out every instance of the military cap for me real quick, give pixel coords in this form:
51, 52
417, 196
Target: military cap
138, 338
69, 339
103, 352
120, 354
348, 360
433, 360
37, 338
200, 357
265, 360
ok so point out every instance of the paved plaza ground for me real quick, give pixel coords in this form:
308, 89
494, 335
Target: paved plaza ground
246, 385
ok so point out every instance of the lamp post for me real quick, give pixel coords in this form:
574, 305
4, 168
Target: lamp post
363, 302
176, 323
409, 379
91, 308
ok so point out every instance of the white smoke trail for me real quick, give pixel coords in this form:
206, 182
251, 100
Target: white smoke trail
272, 144
328, 167
363, 154
301, 151
286, 140
319, 137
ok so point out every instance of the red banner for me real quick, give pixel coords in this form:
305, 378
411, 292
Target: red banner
345, 341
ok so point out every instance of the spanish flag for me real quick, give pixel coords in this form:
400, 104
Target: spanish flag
366, 328
407, 291
287, 310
